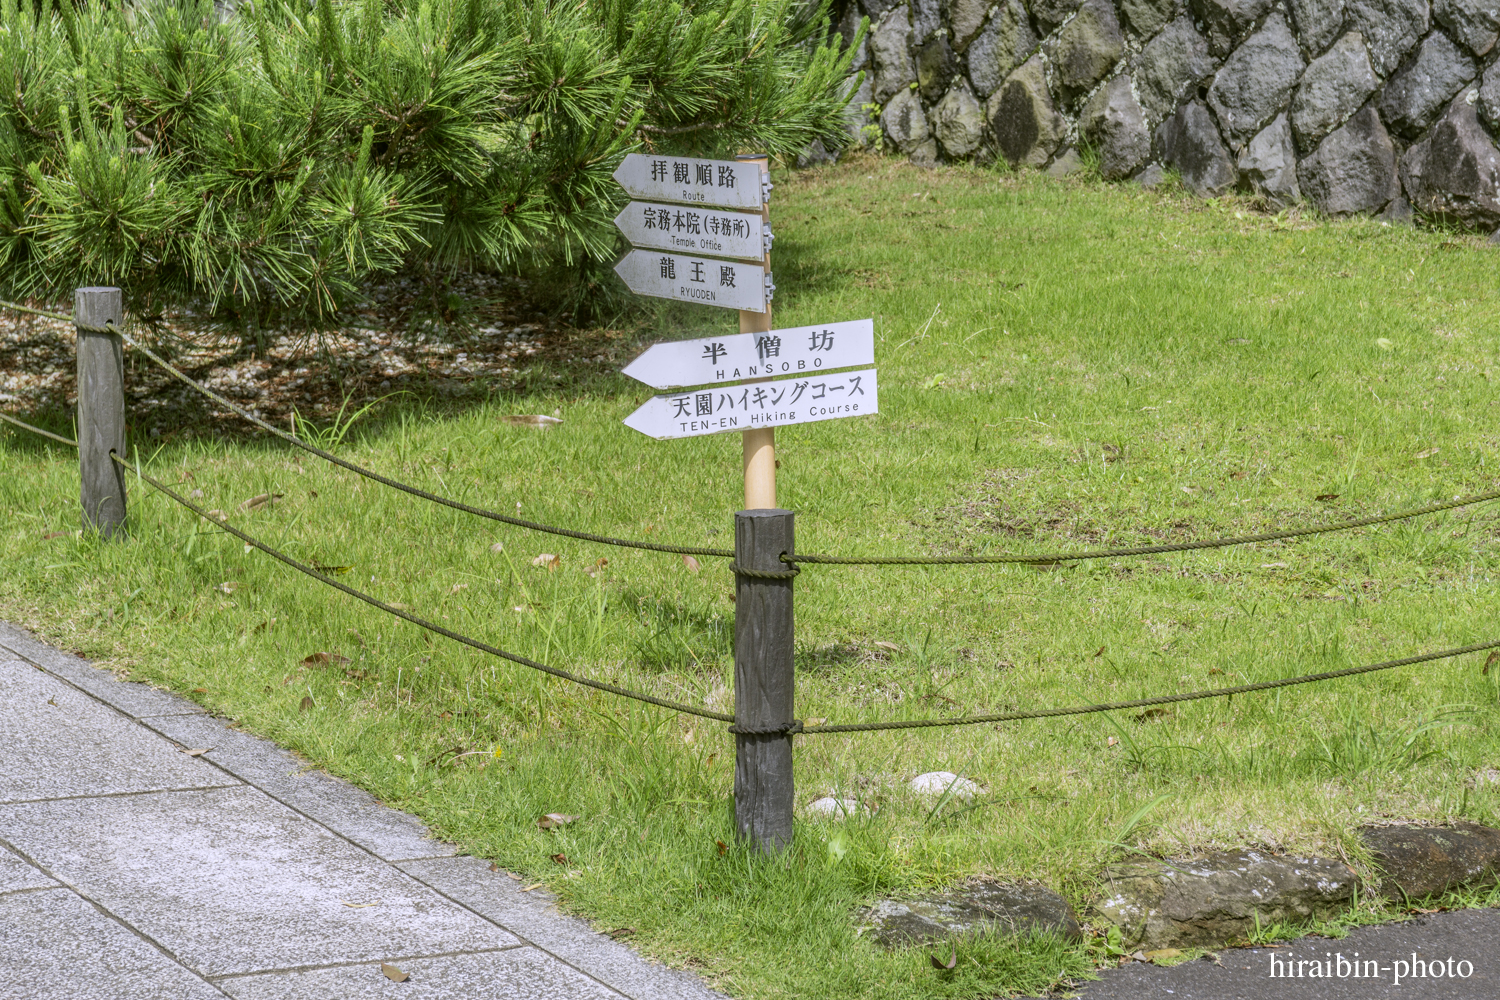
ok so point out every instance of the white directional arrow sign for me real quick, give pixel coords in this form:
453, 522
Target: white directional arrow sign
726, 283
801, 350
716, 183
761, 404
692, 230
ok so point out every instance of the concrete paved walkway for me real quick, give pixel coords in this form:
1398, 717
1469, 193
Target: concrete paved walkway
130, 870
1447, 955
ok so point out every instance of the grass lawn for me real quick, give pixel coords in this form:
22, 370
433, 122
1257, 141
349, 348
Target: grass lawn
1061, 364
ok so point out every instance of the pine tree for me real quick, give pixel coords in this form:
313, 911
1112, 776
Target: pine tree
273, 158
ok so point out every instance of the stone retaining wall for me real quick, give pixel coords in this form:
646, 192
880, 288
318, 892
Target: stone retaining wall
1357, 106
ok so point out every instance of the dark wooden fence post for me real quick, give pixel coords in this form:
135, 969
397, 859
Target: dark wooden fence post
763, 682
101, 409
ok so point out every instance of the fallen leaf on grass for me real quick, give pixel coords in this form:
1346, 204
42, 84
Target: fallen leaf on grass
560, 858
531, 420
218, 515
227, 587
620, 932
307, 704
323, 659
1490, 661
723, 848
1161, 954
1111, 741
261, 501
1273, 565
358, 906
548, 560
1237, 474
691, 564
938, 963
394, 974
1325, 497
54, 534
888, 645
814, 720
1385, 343
1426, 454
1099, 653
1152, 713
200, 690
194, 753
551, 821
596, 567
498, 547
457, 587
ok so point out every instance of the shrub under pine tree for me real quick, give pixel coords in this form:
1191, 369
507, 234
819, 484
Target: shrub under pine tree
270, 160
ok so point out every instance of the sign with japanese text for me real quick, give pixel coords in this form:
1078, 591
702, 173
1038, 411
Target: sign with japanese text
711, 183
800, 350
692, 230
726, 283
722, 409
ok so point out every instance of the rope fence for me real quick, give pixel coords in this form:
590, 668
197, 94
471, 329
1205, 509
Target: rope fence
797, 727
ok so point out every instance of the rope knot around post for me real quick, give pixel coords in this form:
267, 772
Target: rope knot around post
764, 574
784, 729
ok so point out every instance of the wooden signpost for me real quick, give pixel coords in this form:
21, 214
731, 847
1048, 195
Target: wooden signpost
730, 284
703, 234
690, 230
802, 350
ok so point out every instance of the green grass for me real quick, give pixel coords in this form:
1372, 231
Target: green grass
1061, 364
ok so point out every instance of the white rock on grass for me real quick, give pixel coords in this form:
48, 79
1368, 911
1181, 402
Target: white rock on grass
937, 782
829, 807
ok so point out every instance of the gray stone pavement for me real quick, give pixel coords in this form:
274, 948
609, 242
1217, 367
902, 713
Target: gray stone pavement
130, 870
1453, 956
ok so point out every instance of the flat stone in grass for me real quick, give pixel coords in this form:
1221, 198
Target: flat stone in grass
1417, 861
935, 783
1214, 900
986, 907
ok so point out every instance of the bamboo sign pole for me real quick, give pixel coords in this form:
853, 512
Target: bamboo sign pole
759, 444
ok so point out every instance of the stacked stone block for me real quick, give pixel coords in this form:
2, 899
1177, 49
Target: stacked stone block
1357, 106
